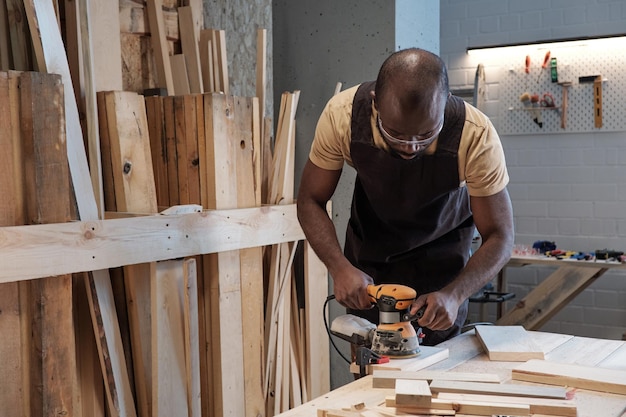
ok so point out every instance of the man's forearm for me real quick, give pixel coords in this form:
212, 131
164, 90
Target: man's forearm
482, 267
321, 234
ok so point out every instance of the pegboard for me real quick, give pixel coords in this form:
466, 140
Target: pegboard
572, 63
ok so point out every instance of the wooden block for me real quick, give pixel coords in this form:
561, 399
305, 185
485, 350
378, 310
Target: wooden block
413, 393
497, 389
428, 355
508, 343
386, 378
18, 30
106, 41
579, 376
537, 405
158, 148
395, 410
205, 48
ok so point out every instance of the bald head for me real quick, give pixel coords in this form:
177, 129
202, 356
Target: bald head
412, 76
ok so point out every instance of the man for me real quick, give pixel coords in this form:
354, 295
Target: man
429, 167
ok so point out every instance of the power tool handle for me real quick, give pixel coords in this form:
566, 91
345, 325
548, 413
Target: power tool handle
412, 317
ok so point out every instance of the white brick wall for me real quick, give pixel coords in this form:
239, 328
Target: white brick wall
569, 188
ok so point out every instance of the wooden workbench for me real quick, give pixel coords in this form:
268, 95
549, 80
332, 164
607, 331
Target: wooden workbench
569, 279
467, 355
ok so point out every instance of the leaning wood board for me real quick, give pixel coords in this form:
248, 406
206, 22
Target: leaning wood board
579, 376
508, 343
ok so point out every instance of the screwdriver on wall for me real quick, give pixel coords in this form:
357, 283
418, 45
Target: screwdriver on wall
546, 60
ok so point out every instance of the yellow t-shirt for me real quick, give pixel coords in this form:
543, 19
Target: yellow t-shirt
482, 166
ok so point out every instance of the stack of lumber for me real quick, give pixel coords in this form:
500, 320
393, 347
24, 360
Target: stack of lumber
421, 393
209, 335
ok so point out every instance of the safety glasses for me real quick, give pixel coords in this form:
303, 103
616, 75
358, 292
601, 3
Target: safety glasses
419, 141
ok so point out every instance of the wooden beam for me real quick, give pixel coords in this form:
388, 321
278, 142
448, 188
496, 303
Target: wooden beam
5, 41
205, 48
578, 376
192, 337
549, 297
508, 343
14, 393
134, 20
18, 29
413, 393
53, 358
261, 70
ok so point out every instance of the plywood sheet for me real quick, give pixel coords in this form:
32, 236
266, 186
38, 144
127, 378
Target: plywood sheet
508, 343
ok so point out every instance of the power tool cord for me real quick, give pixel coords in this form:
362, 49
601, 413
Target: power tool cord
330, 335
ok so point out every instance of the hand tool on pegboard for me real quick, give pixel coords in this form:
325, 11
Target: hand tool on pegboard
564, 86
597, 96
546, 61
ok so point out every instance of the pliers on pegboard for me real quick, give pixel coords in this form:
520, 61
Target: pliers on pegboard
547, 100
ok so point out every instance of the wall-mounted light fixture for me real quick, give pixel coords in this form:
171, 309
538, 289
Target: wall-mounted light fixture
603, 42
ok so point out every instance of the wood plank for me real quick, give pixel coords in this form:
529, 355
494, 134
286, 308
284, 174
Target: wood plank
5, 48
616, 360
508, 343
537, 405
180, 74
497, 389
170, 151
317, 345
547, 299
465, 407
261, 70
251, 264
159, 45
52, 365
158, 148
181, 109
205, 49
413, 393
219, 45
18, 31
192, 337
428, 356
134, 19
225, 282
386, 379
584, 351
134, 192
169, 377
130, 150
107, 63
89, 77
579, 376
83, 246
189, 44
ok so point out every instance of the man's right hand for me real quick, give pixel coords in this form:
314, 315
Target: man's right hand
350, 287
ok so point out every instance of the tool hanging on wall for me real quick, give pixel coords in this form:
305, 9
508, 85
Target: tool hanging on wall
546, 60
564, 86
597, 96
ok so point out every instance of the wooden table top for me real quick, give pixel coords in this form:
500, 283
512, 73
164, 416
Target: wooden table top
467, 355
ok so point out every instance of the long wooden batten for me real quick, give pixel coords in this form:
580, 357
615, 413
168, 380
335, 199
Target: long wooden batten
61, 248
